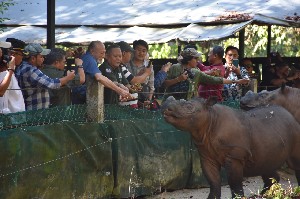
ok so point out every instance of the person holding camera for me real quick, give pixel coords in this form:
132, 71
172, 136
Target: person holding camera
138, 65
11, 98
55, 67
233, 71
184, 78
33, 82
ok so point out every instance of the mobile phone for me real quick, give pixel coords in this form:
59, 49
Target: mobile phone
149, 64
235, 62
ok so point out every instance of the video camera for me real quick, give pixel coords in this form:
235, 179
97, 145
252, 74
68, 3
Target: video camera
70, 65
190, 74
4, 59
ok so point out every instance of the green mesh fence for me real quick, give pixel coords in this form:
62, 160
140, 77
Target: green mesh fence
77, 113
55, 153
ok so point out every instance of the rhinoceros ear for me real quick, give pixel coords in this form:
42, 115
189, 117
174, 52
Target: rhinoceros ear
211, 101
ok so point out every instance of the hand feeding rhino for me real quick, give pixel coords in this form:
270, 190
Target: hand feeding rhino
252, 143
286, 96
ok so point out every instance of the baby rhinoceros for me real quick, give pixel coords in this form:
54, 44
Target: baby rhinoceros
251, 143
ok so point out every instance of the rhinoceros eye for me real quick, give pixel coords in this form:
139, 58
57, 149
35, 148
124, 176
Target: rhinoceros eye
263, 95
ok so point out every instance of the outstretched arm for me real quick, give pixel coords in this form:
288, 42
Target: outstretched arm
109, 84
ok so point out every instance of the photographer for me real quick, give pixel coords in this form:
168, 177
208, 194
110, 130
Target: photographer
8, 69
55, 67
184, 78
11, 98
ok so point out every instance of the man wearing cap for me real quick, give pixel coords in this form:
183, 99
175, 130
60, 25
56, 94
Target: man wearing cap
127, 51
184, 78
33, 82
11, 99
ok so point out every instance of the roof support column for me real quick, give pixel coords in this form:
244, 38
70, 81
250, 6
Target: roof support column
269, 40
241, 43
50, 24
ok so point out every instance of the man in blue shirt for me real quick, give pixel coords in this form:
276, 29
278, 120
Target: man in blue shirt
33, 82
95, 53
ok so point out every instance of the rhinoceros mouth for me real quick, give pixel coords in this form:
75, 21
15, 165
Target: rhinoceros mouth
246, 107
169, 113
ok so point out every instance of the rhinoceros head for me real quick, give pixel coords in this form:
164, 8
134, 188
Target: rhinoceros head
184, 114
253, 100
263, 98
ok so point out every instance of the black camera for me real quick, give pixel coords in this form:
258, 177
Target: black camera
4, 60
70, 65
190, 74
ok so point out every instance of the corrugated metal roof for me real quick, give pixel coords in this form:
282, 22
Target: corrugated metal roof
140, 12
128, 20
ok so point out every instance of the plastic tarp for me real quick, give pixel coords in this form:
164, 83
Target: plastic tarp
192, 32
122, 158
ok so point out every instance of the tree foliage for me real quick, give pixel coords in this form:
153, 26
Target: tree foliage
285, 40
3, 7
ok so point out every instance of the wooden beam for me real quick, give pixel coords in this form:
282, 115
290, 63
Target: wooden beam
269, 40
50, 23
241, 43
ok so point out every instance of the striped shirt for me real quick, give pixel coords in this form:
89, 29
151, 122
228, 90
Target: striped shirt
126, 72
35, 85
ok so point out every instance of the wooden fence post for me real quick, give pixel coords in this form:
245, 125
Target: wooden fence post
94, 100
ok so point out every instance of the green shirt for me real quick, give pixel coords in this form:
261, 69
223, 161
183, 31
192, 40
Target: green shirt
192, 84
61, 96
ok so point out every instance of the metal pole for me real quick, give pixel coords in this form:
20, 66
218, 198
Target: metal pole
50, 23
269, 40
242, 43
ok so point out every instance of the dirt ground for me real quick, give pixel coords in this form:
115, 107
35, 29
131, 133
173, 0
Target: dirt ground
252, 186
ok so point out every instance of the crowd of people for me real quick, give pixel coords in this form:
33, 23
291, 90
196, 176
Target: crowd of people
33, 77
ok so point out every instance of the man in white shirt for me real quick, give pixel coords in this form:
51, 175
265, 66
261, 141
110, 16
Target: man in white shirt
11, 100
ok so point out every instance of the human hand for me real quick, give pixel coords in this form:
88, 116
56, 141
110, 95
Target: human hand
123, 87
147, 102
70, 74
183, 76
125, 95
148, 70
78, 62
243, 81
11, 63
166, 67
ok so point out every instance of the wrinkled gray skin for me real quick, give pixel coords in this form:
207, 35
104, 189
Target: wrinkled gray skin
286, 96
245, 143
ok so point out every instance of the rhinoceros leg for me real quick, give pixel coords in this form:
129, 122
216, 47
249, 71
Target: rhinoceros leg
234, 169
268, 180
211, 170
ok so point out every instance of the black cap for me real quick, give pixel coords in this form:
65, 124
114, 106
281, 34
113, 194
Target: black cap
125, 47
16, 44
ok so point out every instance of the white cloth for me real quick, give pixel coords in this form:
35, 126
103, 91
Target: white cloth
12, 100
